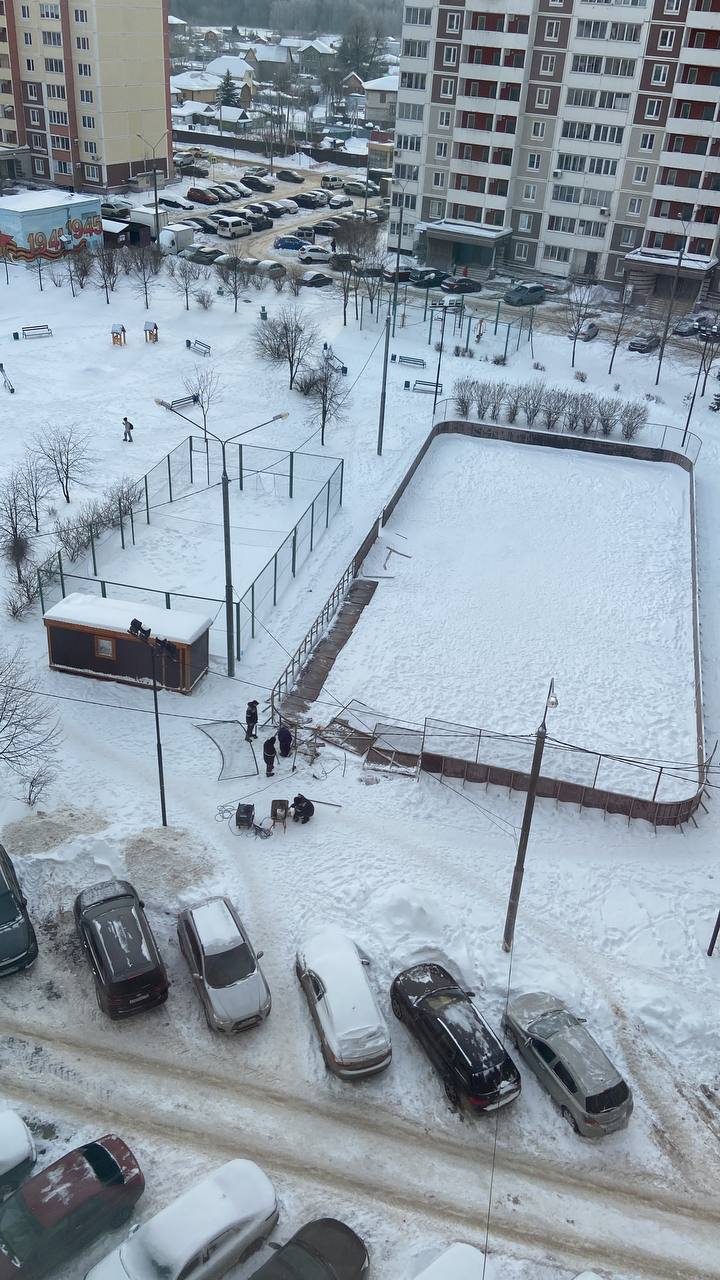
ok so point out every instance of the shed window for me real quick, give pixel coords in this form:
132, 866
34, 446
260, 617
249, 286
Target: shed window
104, 647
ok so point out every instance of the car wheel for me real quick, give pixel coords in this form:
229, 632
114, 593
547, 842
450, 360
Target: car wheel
397, 1008
568, 1115
452, 1094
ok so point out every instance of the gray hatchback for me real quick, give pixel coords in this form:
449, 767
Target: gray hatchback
591, 1094
224, 966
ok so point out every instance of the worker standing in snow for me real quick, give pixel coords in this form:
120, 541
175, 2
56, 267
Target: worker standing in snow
284, 738
303, 809
251, 719
269, 754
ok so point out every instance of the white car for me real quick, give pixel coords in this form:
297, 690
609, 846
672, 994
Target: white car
288, 205
17, 1150
459, 1262
340, 202
315, 253
354, 1038
202, 1234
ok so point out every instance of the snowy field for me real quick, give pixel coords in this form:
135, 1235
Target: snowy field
614, 918
572, 565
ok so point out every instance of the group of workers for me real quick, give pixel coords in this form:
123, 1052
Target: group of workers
302, 808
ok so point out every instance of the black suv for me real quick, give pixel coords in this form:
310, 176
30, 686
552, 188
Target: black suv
129, 974
473, 1065
321, 1250
18, 944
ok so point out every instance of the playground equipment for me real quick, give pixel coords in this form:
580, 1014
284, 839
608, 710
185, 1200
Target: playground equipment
119, 337
6, 381
151, 331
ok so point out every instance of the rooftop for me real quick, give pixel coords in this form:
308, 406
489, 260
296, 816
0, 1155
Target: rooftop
26, 201
445, 227
195, 80
80, 609
384, 84
670, 258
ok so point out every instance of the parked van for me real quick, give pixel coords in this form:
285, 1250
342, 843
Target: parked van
331, 182
232, 228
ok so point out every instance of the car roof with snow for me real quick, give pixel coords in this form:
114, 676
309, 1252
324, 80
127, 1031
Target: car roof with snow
236, 1192
335, 959
216, 926
459, 1262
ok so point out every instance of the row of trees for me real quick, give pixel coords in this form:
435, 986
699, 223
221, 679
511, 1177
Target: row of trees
553, 408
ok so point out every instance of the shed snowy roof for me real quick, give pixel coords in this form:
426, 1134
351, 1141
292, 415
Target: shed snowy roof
176, 22
271, 53
83, 610
112, 227
26, 201
383, 84
237, 66
187, 109
194, 80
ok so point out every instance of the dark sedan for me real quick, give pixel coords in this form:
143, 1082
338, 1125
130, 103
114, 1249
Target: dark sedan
427, 278
315, 280
461, 284
256, 183
327, 227
288, 175
322, 1250
465, 1051
259, 221
18, 944
306, 200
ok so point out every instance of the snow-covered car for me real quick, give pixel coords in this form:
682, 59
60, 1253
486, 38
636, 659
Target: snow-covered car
687, 326
18, 943
175, 202
340, 202
314, 253
238, 187
202, 1234
585, 332
645, 342
290, 206
568, 1061
315, 280
363, 215
459, 1262
354, 1038
322, 1250
224, 966
268, 267
17, 1150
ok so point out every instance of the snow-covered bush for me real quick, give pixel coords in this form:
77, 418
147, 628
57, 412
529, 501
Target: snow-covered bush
588, 412
553, 406
571, 412
483, 397
497, 398
632, 419
464, 395
609, 409
513, 397
532, 396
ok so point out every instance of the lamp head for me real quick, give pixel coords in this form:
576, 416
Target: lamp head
278, 416
137, 629
552, 701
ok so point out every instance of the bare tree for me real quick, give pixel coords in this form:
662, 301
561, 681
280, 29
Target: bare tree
710, 338
185, 278
37, 267
370, 267
288, 338
294, 279
14, 539
578, 309
609, 409
206, 388
35, 484
29, 733
79, 267
145, 263
483, 395
513, 400
533, 394
620, 327
328, 392
65, 451
497, 398
572, 412
233, 274
347, 280
553, 406
107, 265
588, 412
632, 419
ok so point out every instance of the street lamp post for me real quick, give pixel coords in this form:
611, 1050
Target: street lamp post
701, 367
673, 291
519, 871
153, 148
140, 632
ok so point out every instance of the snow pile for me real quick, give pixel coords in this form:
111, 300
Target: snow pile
414, 930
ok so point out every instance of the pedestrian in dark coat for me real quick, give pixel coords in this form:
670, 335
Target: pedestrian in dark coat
269, 754
333, 246
251, 719
303, 809
128, 429
285, 740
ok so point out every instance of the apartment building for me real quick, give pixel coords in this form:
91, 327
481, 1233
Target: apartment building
79, 84
560, 136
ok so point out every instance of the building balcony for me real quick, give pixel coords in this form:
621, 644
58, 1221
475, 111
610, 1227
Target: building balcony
696, 92
687, 128
682, 159
700, 57
678, 195
470, 167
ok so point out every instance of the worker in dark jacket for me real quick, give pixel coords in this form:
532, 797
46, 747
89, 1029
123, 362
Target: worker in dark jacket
303, 809
284, 738
269, 754
251, 719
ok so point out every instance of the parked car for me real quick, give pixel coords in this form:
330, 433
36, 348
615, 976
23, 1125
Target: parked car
175, 202
687, 326
307, 200
219, 213
111, 924
276, 208
459, 1262
340, 202
67, 1206
461, 284
200, 195
258, 221
585, 332
315, 279
328, 227
363, 215
192, 169
219, 189
356, 187
233, 228
315, 253
645, 342
200, 224
238, 187
201, 1234
427, 277
341, 261
249, 264
354, 1038
259, 170
116, 212
474, 1066
322, 1250
18, 944
525, 295
291, 243
708, 330
402, 273
268, 267
289, 175
331, 182
257, 183
288, 206
255, 206
202, 254
591, 1093
17, 1151
224, 967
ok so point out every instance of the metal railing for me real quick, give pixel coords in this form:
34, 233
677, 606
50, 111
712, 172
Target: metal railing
289, 676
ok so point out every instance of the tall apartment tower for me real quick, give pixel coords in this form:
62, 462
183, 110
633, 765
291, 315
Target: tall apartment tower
79, 81
559, 136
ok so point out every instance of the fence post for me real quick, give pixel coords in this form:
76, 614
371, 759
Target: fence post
312, 523
132, 526
237, 630
327, 506
167, 599
240, 465
62, 576
40, 591
207, 458
292, 468
294, 550
103, 589
657, 784
507, 339
252, 610
274, 579
92, 553
169, 471
191, 453
147, 501
342, 478
122, 529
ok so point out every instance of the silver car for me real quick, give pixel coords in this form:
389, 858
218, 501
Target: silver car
223, 965
591, 1094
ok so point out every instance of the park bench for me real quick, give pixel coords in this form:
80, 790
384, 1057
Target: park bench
416, 361
6, 381
419, 385
197, 345
185, 402
37, 331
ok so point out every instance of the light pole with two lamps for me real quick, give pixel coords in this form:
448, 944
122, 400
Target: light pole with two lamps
685, 223
166, 647
152, 147
517, 880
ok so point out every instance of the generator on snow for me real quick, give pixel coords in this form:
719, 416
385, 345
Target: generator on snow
245, 817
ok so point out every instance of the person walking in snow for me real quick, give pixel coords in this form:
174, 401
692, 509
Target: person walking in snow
128, 430
284, 738
333, 246
303, 809
251, 719
269, 754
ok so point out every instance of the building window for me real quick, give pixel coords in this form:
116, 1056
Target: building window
587, 64
104, 647
37, 142
640, 174
417, 17
635, 205
538, 129
62, 166
653, 108
552, 31
533, 161
556, 253
53, 38
31, 91
30, 66
443, 119
647, 141
90, 148
667, 38
556, 222
441, 150
437, 208
521, 249
86, 95
50, 11
27, 37
92, 172
438, 178
81, 15
589, 30
660, 73
525, 222
58, 117
542, 97
59, 143
453, 22
25, 12
447, 88
54, 66
38, 166
672, 6
88, 122
412, 80
450, 55
55, 91
34, 116
82, 42
547, 64
415, 48
629, 237
84, 69
529, 191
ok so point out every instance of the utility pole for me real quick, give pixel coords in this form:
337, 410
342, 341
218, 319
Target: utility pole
673, 291
440, 356
140, 632
397, 263
381, 422
153, 148
519, 871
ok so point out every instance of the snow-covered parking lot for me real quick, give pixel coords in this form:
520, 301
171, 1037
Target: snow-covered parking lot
524, 564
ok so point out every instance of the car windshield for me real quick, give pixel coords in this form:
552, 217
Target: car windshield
20, 1233
296, 1264
231, 966
8, 909
549, 1024
609, 1099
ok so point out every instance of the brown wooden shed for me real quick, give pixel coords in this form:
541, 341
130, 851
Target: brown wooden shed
88, 636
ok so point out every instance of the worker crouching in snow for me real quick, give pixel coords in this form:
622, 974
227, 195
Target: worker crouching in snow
303, 809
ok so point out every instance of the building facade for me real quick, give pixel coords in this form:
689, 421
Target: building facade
79, 83
381, 101
557, 136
